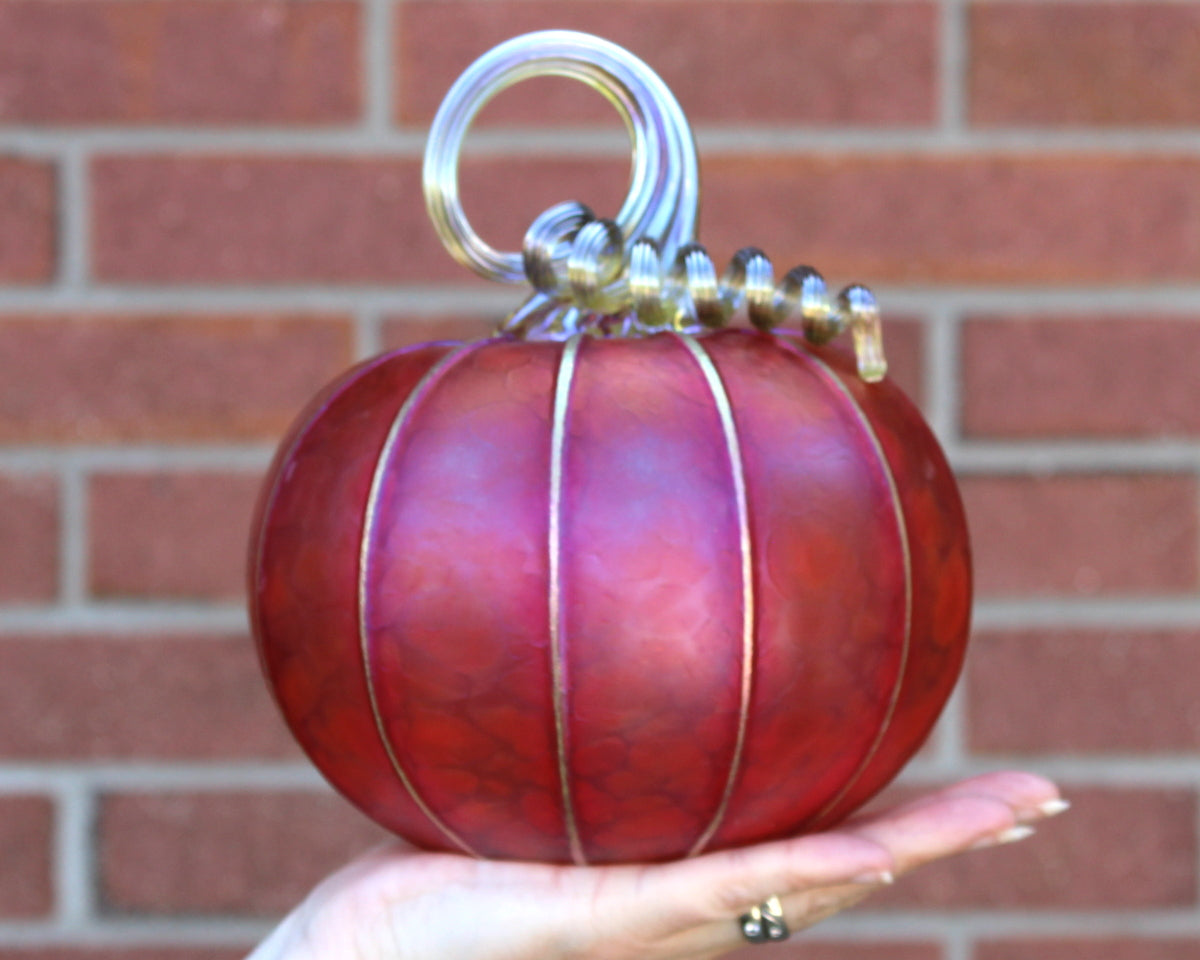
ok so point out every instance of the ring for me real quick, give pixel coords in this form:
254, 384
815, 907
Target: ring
764, 923
664, 193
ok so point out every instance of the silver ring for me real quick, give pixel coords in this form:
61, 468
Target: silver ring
764, 923
663, 199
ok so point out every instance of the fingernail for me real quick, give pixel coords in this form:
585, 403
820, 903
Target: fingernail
875, 878
1052, 808
1011, 835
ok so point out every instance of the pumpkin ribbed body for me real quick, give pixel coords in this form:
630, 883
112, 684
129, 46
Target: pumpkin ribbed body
610, 600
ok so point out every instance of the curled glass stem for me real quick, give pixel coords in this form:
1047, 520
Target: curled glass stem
601, 284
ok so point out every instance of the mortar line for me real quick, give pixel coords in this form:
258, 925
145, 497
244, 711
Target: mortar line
302, 300
139, 458
1117, 613
862, 924
74, 218
1178, 303
941, 384
1163, 771
74, 854
153, 621
152, 931
378, 60
957, 944
368, 333
1050, 456
409, 142
950, 746
73, 536
953, 53
89, 778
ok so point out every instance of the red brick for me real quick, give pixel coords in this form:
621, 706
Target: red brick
151, 61
1083, 535
401, 332
57, 952
1119, 948
304, 219
803, 948
726, 62
1135, 64
149, 698
26, 833
177, 535
1069, 866
904, 345
102, 379
230, 853
884, 219
1119, 377
1132, 692
28, 538
928, 219
27, 214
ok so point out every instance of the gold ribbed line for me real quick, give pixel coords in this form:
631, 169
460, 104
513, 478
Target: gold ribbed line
558, 438
729, 428
422, 387
908, 583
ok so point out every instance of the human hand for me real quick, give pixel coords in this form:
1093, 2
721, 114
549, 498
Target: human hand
397, 903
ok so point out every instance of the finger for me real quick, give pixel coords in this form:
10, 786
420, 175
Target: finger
719, 885
939, 826
1031, 797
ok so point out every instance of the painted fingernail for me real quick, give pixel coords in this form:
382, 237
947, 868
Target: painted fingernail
1011, 835
1052, 808
875, 878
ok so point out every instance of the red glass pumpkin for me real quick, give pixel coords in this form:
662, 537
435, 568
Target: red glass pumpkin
610, 599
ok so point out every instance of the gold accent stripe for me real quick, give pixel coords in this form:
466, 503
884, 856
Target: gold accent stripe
558, 439
908, 584
729, 428
418, 393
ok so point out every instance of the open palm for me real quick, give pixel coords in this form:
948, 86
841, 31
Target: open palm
398, 903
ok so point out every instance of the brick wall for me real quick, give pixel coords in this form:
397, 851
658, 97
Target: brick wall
209, 207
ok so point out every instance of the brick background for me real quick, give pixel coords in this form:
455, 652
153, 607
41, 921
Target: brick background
1151, 518
29, 538
145, 61
1084, 63
173, 379
169, 698
170, 536
26, 830
1039, 377
1132, 691
27, 227
857, 64
208, 208
224, 853
1060, 871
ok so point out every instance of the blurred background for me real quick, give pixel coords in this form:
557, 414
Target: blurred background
208, 208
